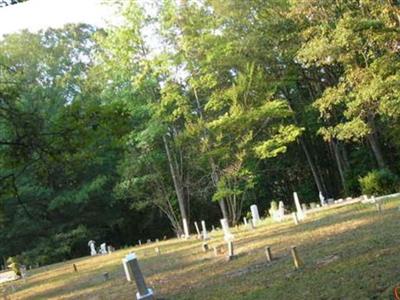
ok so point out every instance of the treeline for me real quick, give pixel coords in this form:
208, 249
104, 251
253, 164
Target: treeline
106, 136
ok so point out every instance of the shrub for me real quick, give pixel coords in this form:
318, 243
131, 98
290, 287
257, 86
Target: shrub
379, 182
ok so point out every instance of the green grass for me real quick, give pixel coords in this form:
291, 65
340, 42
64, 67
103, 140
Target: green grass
350, 252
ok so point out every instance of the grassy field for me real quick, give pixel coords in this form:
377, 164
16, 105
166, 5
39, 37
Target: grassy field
351, 252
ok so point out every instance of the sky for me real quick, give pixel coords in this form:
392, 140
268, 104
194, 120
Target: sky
40, 14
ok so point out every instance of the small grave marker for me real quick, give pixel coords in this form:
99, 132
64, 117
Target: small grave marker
231, 254
268, 253
298, 263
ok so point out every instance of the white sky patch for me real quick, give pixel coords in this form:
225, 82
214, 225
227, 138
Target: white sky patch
35, 15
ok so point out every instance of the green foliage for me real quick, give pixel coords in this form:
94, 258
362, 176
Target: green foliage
379, 182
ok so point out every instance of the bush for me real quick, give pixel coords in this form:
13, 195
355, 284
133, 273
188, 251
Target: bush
379, 182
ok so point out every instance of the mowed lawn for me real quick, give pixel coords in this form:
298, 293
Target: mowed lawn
350, 252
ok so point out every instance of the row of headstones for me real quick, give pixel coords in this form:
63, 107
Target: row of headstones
104, 249
134, 273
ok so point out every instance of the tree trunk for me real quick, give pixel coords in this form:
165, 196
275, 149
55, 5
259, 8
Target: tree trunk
338, 162
317, 179
373, 141
177, 183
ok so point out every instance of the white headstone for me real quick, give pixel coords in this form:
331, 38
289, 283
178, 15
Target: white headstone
197, 230
300, 213
280, 212
321, 198
185, 228
255, 215
204, 228
245, 221
92, 245
228, 236
103, 248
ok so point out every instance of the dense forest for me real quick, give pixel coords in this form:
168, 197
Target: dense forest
195, 110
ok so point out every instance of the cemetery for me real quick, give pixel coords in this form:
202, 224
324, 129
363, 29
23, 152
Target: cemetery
316, 259
199, 149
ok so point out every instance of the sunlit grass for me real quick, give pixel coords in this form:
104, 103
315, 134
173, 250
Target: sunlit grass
349, 252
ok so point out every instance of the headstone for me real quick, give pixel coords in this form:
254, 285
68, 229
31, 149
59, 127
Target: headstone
245, 221
204, 228
110, 249
254, 214
212, 228
300, 213
133, 272
280, 213
140, 243
22, 269
228, 236
296, 259
197, 230
185, 228
268, 253
322, 199
157, 240
231, 254
103, 249
106, 276
92, 245
304, 207
148, 241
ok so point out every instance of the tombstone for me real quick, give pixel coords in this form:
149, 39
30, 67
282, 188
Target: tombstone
212, 228
92, 245
228, 236
110, 249
197, 230
133, 272
300, 213
103, 249
148, 241
322, 199
245, 221
204, 228
140, 243
106, 276
268, 253
298, 263
231, 254
165, 237
254, 214
157, 240
304, 207
185, 228
313, 205
280, 213
22, 269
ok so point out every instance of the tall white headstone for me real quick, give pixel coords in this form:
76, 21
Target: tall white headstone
322, 199
204, 228
185, 228
300, 214
228, 236
92, 245
197, 230
255, 215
